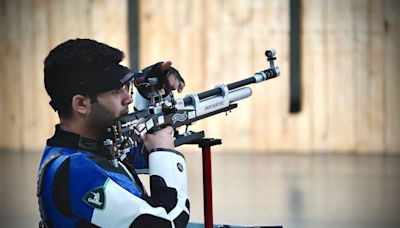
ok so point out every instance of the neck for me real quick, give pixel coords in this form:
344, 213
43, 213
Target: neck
77, 127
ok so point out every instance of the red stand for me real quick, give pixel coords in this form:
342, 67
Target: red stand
206, 145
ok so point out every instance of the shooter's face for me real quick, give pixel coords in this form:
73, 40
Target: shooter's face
110, 105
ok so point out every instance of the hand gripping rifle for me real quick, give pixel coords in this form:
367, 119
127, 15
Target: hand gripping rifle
166, 111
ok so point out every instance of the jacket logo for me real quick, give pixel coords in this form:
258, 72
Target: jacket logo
95, 198
179, 117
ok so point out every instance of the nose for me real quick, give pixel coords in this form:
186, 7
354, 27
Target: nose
127, 98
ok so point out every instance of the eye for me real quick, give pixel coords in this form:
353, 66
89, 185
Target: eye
118, 91
128, 88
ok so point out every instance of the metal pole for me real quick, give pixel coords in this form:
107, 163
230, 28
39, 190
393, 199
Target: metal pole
206, 144
207, 187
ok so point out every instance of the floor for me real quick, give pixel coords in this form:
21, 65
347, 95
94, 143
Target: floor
253, 189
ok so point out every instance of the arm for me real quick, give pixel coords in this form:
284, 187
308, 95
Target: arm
168, 177
168, 184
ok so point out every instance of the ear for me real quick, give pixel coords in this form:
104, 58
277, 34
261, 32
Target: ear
81, 104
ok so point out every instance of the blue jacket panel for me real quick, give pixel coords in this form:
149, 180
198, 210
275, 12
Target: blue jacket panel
86, 172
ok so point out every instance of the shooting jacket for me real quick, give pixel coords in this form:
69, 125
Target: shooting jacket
78, 188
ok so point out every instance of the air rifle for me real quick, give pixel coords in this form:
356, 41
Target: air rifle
166, 111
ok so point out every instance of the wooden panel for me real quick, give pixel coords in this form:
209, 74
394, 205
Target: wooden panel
11, 77
28, 87
272, 126
230, 29
314, 65
29, 30
391, 73
341, 100
368, 73
174, 32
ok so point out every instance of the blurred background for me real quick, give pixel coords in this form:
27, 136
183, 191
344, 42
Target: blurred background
318, 146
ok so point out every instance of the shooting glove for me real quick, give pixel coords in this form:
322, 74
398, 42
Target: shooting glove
155, 71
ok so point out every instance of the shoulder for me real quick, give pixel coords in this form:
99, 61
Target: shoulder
83, 175
89, 168
86, 171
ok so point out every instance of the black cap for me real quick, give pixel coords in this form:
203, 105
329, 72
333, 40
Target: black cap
111, 78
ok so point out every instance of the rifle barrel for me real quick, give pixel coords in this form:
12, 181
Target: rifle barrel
258, 77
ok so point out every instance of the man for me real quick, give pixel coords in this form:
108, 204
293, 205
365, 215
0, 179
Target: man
78, 186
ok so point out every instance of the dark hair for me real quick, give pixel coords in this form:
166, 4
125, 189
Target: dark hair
73, 62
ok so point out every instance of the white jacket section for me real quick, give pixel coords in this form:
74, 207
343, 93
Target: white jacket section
122, 208
171, 166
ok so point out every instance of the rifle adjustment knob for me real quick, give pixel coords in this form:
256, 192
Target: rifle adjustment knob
270, 53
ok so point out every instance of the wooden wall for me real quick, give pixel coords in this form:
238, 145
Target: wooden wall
29, 30
351, 72
350, 67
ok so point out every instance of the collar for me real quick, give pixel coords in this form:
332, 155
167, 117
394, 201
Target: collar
71, 140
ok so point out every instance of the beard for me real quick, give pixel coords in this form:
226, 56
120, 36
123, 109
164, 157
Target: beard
99, 119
